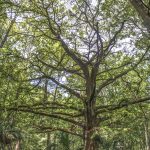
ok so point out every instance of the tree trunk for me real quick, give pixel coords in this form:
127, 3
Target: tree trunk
144, 12
48, 141
147, 140
17, 147
89, 142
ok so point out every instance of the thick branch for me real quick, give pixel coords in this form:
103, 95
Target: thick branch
47, 115
124, 103
50, 105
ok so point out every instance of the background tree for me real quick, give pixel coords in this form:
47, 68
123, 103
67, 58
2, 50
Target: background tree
143, 9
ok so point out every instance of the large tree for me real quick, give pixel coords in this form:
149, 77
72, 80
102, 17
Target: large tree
79, 61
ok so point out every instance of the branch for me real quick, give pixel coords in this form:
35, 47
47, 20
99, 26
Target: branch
7, 33
125, 103
67, 49
111, 80
51, 105
51, 129
47, 115
71, 91
115, 68
72, 71
113, 40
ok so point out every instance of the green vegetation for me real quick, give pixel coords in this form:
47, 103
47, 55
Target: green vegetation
74, 75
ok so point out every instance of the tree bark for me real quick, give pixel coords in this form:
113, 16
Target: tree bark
48, 141
147, 140
89, 142
143, 11
17, 147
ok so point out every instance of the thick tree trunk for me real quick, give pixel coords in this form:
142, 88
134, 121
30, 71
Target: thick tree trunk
89, 142
90, 115
143, 11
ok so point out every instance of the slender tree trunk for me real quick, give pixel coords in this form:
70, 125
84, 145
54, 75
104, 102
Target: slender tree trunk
10, 147
17, 147
48, 141
146, 130
55, 143
2, 147
147, 140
